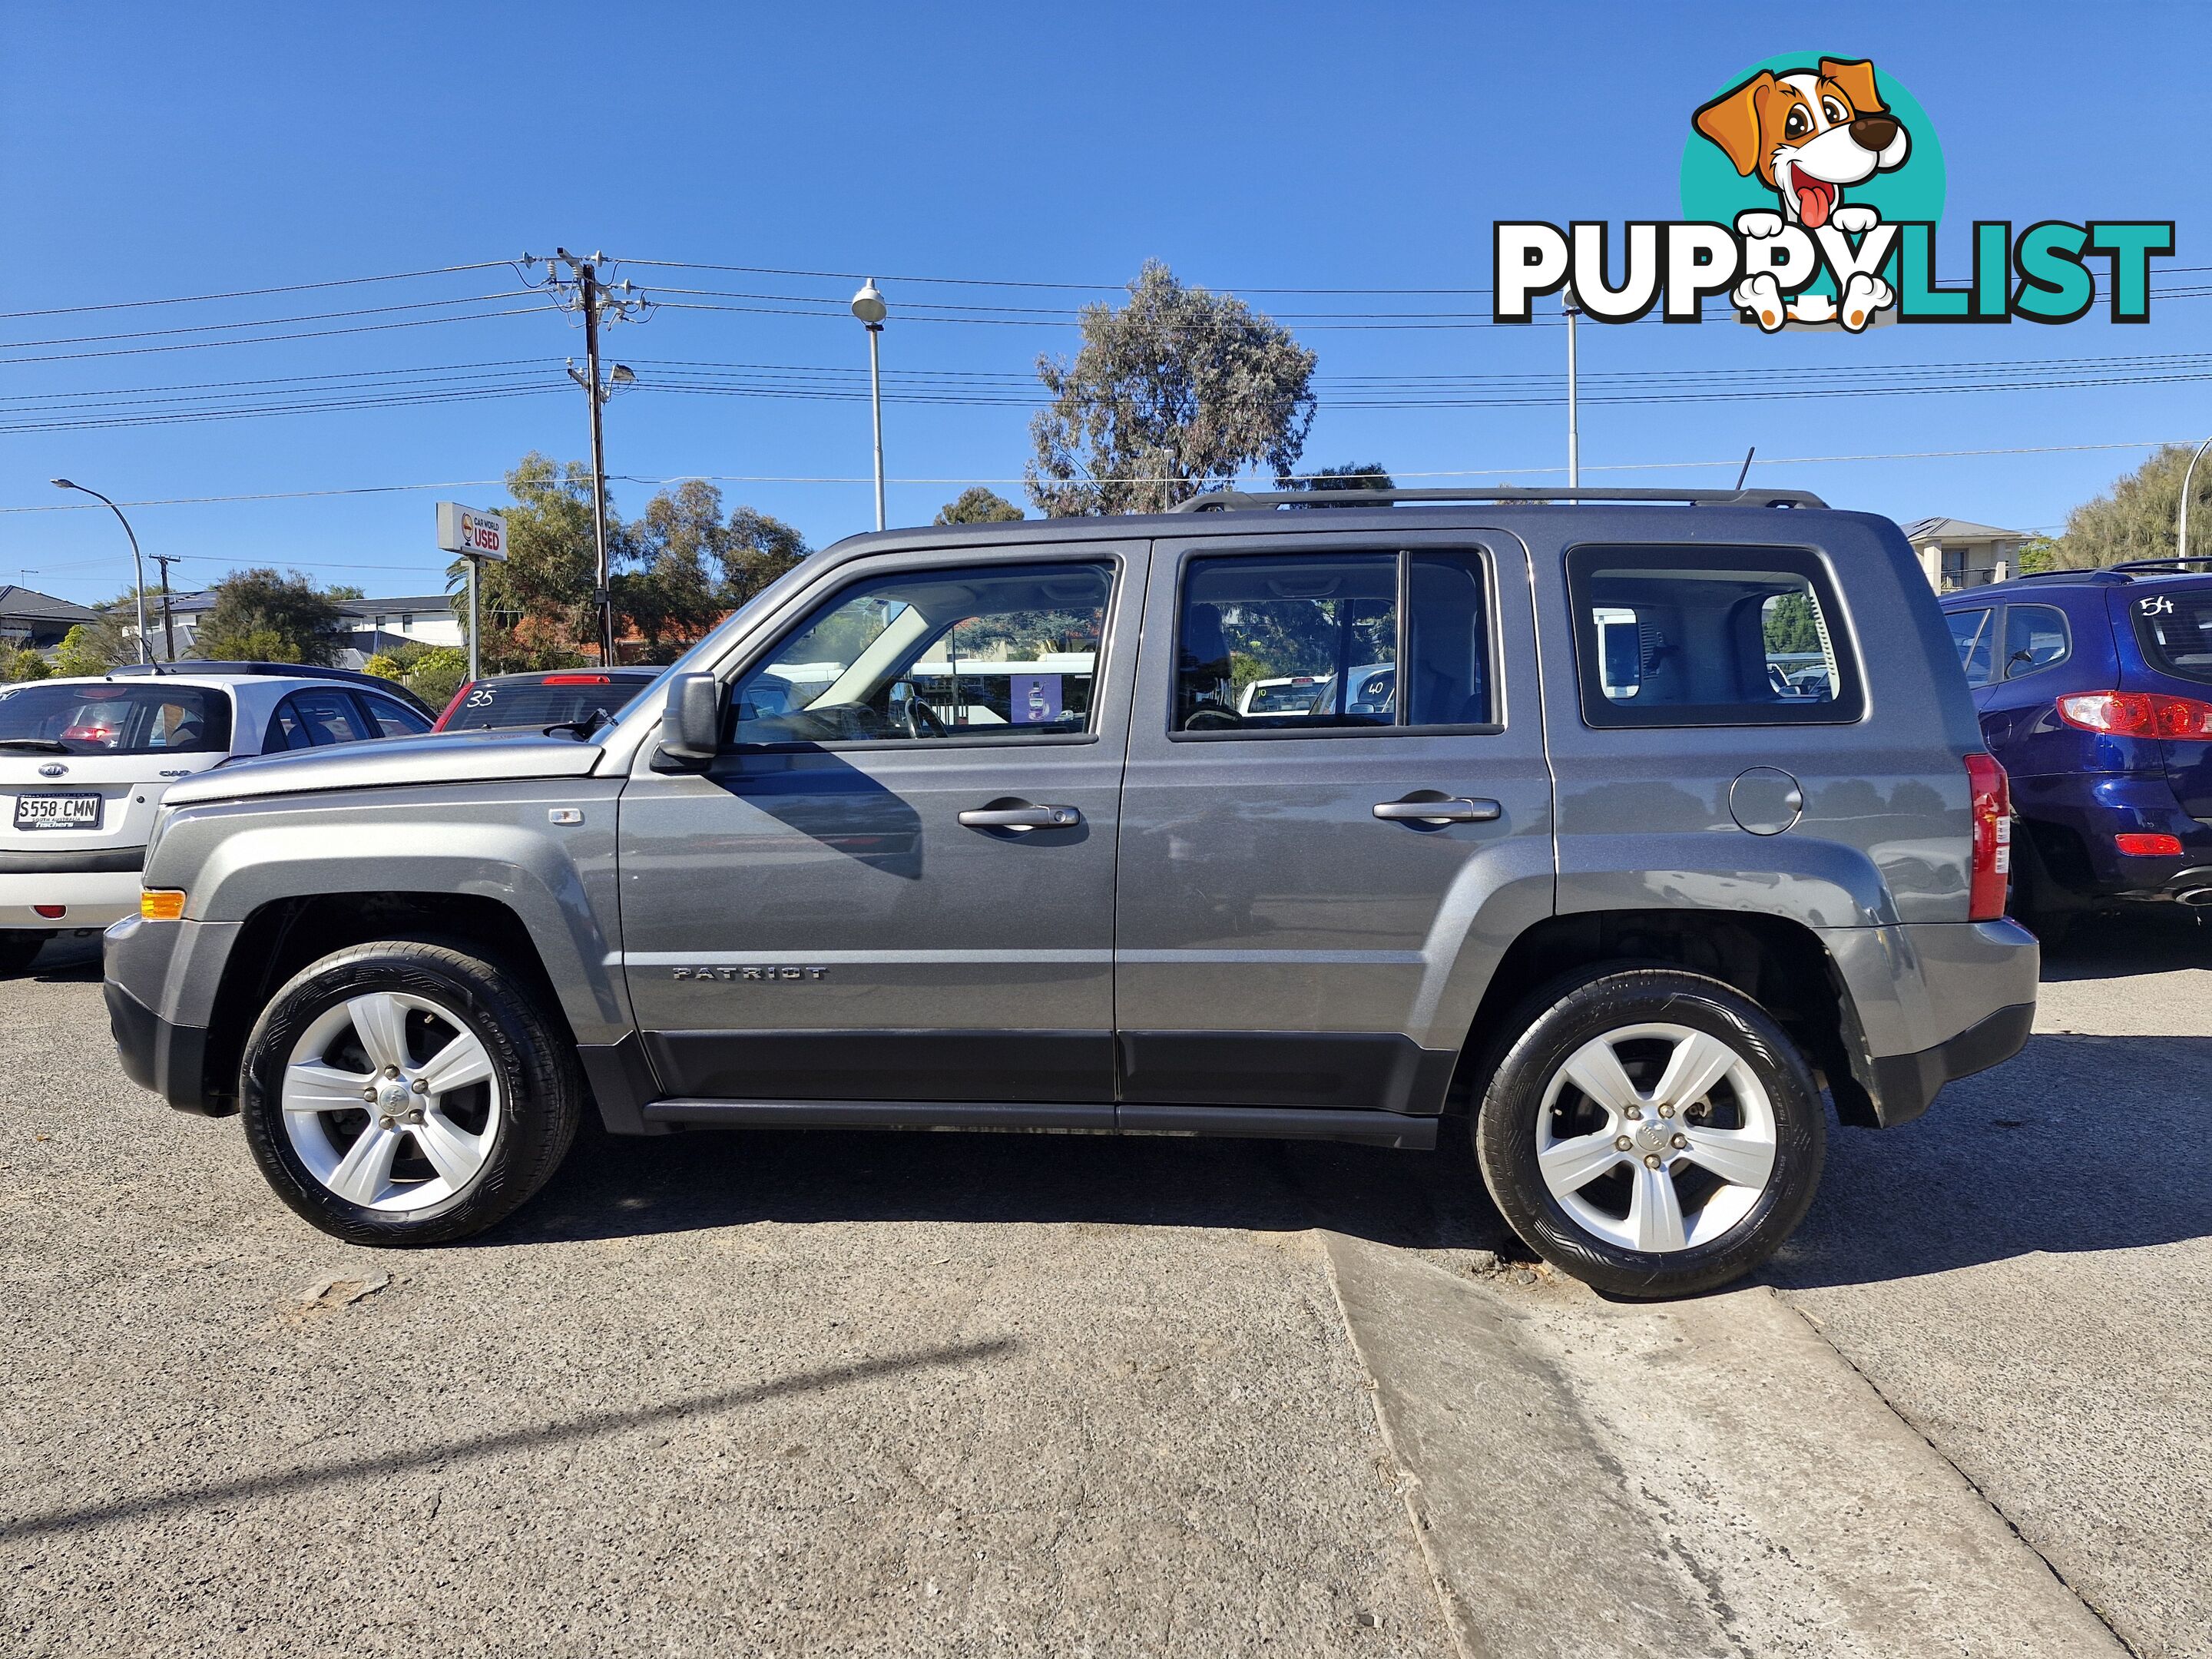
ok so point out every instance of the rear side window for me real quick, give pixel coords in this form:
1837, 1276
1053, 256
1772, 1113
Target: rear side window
2035, 637
1970, 632
393, 720
315, 719
110, 719
1709, 636
2175, 630
1301, 642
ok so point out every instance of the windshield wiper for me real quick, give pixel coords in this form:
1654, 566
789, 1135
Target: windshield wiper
584, 726
47, 745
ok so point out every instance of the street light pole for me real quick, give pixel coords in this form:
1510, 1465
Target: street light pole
2182, 534
137, 563
1574, 435
868, 305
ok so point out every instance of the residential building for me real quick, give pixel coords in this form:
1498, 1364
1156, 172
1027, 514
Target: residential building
372, 625
1958, 553
37, 620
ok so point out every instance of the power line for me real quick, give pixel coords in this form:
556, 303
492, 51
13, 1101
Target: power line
252, 293
763, 477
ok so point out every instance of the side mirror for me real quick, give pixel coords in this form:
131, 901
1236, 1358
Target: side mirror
691, 724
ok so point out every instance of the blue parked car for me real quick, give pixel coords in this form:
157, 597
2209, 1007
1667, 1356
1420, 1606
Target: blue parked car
2095, 692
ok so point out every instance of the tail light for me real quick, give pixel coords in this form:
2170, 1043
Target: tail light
1992, 865
2137, 714
439, 725
577, 679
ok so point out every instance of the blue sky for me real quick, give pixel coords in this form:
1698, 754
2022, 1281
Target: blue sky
148, 152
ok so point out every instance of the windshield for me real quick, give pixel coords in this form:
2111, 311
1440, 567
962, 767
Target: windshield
103, 719
2176, 631
555, 700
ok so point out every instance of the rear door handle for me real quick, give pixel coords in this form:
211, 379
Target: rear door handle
1457, 808
1021, 817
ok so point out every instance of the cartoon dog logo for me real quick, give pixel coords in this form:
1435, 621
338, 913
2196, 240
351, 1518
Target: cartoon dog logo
1807, 136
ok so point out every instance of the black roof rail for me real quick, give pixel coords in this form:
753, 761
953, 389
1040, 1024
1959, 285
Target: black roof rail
1239, 500
271, 669
2165, 566
2106, 573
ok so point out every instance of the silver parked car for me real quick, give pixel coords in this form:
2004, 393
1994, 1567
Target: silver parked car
1588, 885
85, 762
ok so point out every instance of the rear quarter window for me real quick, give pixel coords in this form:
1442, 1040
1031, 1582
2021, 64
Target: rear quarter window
1710, 637
2175, 631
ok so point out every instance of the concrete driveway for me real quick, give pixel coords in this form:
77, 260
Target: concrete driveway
831, 1393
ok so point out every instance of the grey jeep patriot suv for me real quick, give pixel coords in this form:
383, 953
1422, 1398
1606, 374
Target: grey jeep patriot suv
1609, 829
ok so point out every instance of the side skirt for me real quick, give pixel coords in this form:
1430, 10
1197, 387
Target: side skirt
1373, 1128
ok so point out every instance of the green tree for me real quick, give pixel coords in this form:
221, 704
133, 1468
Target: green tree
536, 604
435, 672
1789, 625
976, 505
261, 616
2137, 517
386, 665
1368, 475
692, 567
345, 591
1178, 388
19, 663
80, 652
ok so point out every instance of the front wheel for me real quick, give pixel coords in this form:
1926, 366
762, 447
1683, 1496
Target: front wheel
405, 1093
1653, 1132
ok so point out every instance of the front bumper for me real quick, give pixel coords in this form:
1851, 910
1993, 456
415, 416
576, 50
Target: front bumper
170, 1059
89, 898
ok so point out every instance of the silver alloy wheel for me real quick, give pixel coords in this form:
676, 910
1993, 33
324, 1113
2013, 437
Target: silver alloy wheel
1701, 1118
404, 1133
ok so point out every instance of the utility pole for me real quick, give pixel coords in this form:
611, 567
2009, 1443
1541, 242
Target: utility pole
583, 288
168, 623
1573, 308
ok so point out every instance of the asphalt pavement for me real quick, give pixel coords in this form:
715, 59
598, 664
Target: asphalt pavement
839, 1393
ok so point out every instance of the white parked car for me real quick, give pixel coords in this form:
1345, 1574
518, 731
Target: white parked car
84, 764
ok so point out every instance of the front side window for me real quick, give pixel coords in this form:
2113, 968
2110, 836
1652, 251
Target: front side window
999, 651
1970, 632
1704, 636
2175, 631
109, 718
1314, 642
2035, 637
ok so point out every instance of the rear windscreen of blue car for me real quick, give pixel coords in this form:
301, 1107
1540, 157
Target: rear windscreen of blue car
554, 702
2176, 631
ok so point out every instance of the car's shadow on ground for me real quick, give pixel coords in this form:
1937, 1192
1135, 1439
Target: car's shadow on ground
613, 1186
2115, 947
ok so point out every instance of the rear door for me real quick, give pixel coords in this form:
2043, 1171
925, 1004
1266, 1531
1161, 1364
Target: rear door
1292, 929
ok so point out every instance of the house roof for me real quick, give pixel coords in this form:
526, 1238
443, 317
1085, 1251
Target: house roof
29, 604
1960, 530
187, 605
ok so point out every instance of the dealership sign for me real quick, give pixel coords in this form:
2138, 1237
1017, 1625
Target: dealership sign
1811, 191
467, 530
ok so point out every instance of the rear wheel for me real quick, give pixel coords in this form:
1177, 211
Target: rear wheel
20, 948
405, 1093
1652, 1132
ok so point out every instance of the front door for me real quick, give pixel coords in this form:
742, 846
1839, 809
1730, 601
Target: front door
896, 881
1336, 817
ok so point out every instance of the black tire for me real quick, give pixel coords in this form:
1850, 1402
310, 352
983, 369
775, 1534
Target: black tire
533, 1062
20, 948
1552, 1026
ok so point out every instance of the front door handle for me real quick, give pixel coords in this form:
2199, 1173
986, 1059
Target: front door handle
1024, 816
1439, 808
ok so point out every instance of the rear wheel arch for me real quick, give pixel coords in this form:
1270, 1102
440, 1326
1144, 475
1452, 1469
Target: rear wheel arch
281, 938
1778, 963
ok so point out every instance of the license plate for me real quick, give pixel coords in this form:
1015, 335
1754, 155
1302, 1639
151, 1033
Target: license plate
57, 812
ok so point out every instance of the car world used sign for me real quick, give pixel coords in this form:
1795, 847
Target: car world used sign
471, 531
